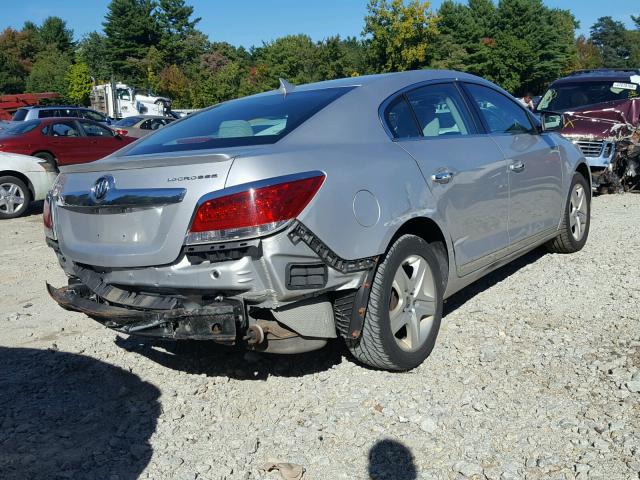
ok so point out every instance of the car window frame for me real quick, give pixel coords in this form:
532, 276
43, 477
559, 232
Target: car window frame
535, 129
82, 121
475, 128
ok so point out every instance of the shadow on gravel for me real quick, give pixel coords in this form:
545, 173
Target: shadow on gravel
391, 460
215, 360
463, 296
34, 209
65, 416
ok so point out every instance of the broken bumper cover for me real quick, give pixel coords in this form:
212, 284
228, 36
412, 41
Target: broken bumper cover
212, 322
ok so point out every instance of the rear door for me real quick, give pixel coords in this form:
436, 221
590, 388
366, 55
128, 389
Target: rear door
534, 164
102, 139
465, 171
67, 141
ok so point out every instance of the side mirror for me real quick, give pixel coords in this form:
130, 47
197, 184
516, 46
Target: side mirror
551, 121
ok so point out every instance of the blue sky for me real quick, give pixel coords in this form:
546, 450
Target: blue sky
249, 22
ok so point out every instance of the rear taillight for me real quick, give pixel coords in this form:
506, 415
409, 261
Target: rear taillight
47, 218
254, 209
121, 132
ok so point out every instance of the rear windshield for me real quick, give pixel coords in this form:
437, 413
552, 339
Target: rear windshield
247, 121
20, 115
20, 128
128, 122
576, 95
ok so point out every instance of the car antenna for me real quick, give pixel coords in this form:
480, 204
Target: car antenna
285, 87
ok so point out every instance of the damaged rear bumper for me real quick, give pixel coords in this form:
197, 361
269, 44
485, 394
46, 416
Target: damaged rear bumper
215, 322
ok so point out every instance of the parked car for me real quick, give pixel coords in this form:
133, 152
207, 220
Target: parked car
141, 125
23, 180
62, 141
67, 111
346, 208
602, 113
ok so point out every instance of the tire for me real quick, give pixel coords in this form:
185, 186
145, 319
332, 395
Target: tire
49, 158
12, 191
568, 241
379, 346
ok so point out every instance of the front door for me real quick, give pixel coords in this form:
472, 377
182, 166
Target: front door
466, 172
535, 168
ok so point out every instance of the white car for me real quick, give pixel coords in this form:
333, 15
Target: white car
23, 179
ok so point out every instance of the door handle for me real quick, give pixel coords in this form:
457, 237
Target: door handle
442, 177
517, 166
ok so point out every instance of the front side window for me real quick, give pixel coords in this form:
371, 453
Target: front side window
64, 130
91, 115
257, 120
499, 113
95, 130
439, 110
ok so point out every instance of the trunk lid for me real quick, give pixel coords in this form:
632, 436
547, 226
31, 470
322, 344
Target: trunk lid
144, 215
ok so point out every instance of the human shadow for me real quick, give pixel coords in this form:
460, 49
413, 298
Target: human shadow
463, 296
214, 360
71, 416
391, 460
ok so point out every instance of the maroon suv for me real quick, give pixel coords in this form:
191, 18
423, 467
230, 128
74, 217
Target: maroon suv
601, 116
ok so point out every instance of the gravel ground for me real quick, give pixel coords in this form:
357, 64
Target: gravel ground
536, 374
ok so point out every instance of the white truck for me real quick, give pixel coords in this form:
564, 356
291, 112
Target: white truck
127, 101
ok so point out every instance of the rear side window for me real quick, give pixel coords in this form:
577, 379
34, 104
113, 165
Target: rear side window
48, 113
499, 113
440, 110
68, 112
20, 115
258, 120
63, 130
400, 119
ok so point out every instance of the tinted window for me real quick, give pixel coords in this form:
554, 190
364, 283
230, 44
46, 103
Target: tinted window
20, 115
499, 113
439, 110
261, 119
20, 128
128, 122
568, 96
95, 130
146, 125
91, 115
67, 112
64, 130
48, 113
400, 119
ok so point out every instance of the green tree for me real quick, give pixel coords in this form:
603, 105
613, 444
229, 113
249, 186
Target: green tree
131, 28
587, 54
609, 36
398, 35
339, 58
176, 29
293, 57
79, 83
12, 74
92, 50
54, 33
49, 72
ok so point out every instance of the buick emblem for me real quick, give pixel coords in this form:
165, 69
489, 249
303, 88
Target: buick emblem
101, 188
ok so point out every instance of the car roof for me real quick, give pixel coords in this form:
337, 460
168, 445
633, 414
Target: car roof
48, 120
598, 75
43, 107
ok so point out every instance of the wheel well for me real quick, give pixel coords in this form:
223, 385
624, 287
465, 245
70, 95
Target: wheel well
22, 177
429, 231
583, 169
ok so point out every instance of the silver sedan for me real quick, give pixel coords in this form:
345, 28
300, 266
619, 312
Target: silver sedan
140, 125
350, 208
